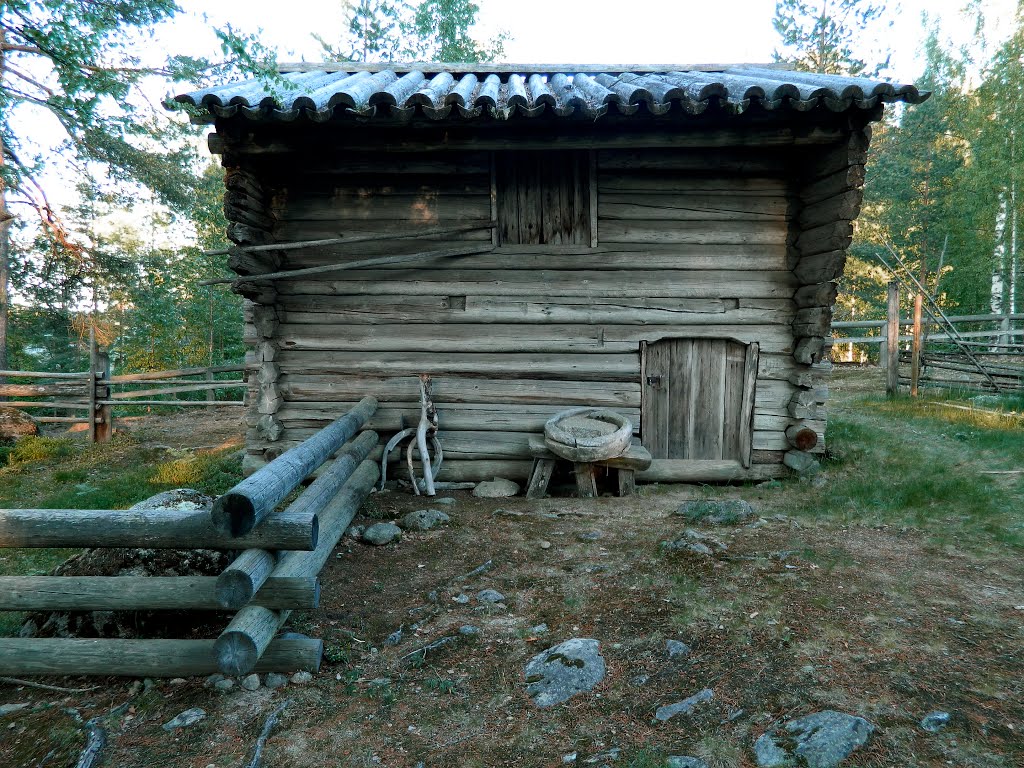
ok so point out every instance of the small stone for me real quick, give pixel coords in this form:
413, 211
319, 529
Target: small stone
608, 756
251, 682
185, 719
468, 630
685, 761
423, 520
683, 707
934, 722
540, 629
676, 648
590, 536
545, 544
380, 534
563, 671
177, 681
380, 682
394, 638
640, 680
462, 598
498, 488
570, 758
432, 596
716, 511
490, 596
10, 709
355, 531
276, 680
224, 685
443, 500
148, 684
695, 542
302, 678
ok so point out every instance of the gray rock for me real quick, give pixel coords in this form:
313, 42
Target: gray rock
570, 758
276, 680
769, 754
443, 500
225, 685
676, 648
683, 707
640, 680
394, 638
423, 520
716, 511
185, 719
540, 629
696, 543
685, 761
490, 596
608, 756
251, 682
820, 740
302, 678
178, 498
356, 531
462, 598
380, 534
590, 536
468, 630
15, 423
934, 722
498, 488
10, 709
564, 670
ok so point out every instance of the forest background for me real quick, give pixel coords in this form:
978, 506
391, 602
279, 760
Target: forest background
121, 253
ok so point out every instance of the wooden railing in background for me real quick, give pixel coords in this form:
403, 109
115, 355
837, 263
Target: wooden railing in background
97, 392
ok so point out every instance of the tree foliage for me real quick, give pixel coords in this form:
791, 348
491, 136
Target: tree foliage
821, 35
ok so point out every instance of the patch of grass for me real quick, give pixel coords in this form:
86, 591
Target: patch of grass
29, 449
647, 758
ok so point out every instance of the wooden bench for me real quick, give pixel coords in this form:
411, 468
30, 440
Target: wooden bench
626, 465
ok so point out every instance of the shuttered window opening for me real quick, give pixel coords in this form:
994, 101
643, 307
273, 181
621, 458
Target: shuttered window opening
698, 399
543, 197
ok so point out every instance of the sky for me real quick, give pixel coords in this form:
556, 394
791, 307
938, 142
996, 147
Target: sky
562, 31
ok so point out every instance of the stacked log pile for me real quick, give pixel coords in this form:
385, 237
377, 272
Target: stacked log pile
280, 554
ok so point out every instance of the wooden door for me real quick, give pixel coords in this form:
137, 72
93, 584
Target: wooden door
698, 399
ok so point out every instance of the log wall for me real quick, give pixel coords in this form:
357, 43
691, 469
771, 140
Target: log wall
719, 242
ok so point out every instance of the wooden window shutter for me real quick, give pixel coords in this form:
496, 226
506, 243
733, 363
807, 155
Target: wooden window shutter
543, 197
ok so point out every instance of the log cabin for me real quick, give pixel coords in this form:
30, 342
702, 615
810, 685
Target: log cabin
664, 242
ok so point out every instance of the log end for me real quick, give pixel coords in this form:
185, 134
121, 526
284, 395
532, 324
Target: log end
234, 589
233, 514
802, 438
236, 654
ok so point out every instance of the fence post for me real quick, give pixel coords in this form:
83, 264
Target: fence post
101, 373
892, 340
915, 349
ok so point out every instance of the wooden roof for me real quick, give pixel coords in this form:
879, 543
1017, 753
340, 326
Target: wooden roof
443, 91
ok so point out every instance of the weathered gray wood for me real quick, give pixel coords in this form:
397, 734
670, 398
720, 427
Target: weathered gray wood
627, 482
586, 480
747, 402
851, 177
892, 380
147, 529
728, 163
817, 295
820, 267
809, 350
143, 658
812, 321
137, 593
845, 205
725, 232
59, 389
240, 646
540, 477
697, 207
237, 584
668, 182
635, 457
694, 471
836, 235
243, 507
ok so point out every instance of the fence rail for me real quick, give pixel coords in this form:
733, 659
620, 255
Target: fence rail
95, 393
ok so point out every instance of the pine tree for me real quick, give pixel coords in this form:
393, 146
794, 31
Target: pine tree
819, 35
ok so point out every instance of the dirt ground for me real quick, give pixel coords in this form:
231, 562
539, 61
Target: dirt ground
798, 615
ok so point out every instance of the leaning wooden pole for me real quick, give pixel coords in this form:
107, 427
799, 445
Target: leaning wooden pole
241, 645
915, 350
241, 580
143, 658
243, 507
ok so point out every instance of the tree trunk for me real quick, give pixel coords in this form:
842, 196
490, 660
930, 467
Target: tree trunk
5, 238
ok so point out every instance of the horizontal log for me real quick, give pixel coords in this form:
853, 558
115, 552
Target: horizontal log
820, 267
507, 258
816, 295
844, 180
675, 183
143, 658
197, 387
711, 471
165, 528
346, 232
60, 389
801, 437
836, 235
844, 206
237, 583
849, 150
328, 310
549, 338
129, 378
43, 375
722, 233
45, 404
243, 507
143, 593
667, 207
355, 205
736, 161
609, 284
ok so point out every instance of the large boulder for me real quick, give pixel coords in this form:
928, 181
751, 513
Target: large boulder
15, 424
821, 740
